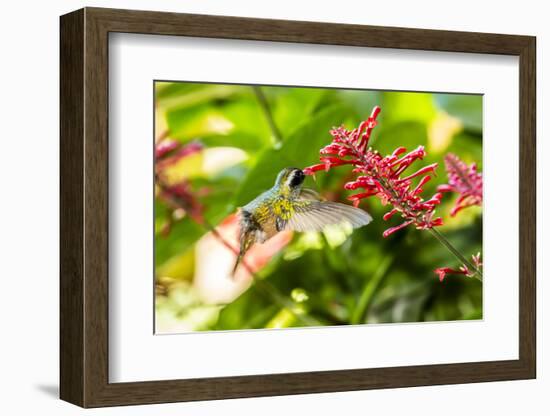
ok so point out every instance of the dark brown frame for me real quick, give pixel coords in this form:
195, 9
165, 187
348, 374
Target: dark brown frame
84, 207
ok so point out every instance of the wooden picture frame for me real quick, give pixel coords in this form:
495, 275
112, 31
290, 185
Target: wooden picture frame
84, 207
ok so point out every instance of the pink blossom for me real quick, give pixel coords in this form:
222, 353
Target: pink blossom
165, 146
465, 181
168, 152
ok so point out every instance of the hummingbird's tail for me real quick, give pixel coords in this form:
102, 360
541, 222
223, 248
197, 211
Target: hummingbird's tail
247, 239
237, 262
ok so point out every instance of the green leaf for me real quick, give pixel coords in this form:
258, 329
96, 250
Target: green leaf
182, 235
248, 118
165, 91
190, 123
468, 147
180, 95
301, 149
251, 310
240, 139
293, 106
407, 106
362, 101
213, 110
217, 201
409, 134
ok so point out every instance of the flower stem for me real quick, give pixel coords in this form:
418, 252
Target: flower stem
262, 99
456, 253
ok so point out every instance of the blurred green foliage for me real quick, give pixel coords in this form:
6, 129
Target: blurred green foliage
334, 280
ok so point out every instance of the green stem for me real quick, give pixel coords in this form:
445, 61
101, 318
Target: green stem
264, 104
456, 253
368, 291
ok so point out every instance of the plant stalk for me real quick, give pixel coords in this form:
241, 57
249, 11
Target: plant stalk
264, 104
463, 260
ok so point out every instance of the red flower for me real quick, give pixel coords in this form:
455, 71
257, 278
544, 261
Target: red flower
464, 180
442, 272
381, 176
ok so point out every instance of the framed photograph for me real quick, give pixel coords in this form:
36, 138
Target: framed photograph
257, 207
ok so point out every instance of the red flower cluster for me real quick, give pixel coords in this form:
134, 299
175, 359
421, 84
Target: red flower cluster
381, 175
442, 272
178, 196
464, 180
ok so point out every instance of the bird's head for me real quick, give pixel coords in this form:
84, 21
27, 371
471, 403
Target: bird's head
290, 179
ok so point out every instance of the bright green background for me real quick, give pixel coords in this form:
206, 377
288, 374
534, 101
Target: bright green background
368, 278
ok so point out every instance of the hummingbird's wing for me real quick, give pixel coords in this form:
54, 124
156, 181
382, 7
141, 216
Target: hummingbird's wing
310, 194
310, 215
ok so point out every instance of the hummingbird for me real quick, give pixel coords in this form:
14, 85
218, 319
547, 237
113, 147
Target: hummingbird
289, 206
